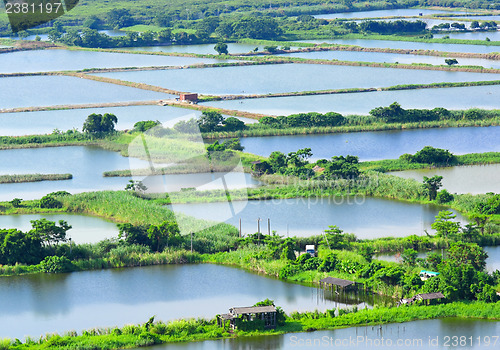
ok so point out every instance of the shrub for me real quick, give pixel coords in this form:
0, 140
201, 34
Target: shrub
444, 196
56, 264
50, 202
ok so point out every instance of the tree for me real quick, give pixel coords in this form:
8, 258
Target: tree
468, 253
210, 121
432, 185
49, 232
19, 247
16, 202
119, 18
133, 234
444, 196
233, 124
162, 232
271, 48
98, 124
409, 256
444, 226
145, 125
221, 48
391, 114
49, 202
135, 186
451, 61
367, 252
480, 220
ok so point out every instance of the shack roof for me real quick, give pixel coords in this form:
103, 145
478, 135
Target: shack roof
429, 296
337, 281
226, 316
252, 310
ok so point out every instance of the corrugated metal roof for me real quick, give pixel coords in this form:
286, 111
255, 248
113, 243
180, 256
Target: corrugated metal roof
428, 296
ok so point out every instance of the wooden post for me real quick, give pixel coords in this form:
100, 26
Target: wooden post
240, 227
268, 226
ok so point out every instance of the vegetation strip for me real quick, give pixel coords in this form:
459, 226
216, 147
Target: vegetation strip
7, 179
151, 333
79, 106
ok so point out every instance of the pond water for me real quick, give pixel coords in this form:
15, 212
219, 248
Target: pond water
60, 60
44, 122
203, 49
85, 229
37, 304
425, 335
409, 45
366, 217
485, 97
390, 58
383, 13
275, 78
58, 90
87, 165
461, 179
493, 36
378, 145
492, 262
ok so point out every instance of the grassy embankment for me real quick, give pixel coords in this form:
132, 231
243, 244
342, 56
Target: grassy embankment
8, 179
146, 334
400, 165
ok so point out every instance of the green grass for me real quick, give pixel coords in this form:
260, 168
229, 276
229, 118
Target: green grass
387, 165
7, 179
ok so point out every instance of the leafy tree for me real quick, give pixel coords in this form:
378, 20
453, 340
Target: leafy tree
329, 262
233, 124
134, 234
97, 124
135, 186
145, 125
433, 155
56, 264
480, 220
444, 226
409, 256
432, 185
450, 61
19, 247
391, 114
210, 121
468, 253
187, 127
119, 18
271, 48
50, 202
367, 252
49, 232
343, 168
162, 232
221, 48
16, 202
444, 196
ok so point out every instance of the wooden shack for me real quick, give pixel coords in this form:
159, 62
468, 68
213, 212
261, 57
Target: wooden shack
188, 97
249, 314
338, 283
428, 297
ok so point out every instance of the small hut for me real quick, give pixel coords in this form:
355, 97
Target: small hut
252, 313
428, 297
188, 97
338, 283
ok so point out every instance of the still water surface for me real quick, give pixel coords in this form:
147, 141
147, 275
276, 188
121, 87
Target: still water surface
87, 165
37, 304
486, 97
58, 90
366, 217
274, 78
390, 58
378, 145
44, 122
425, 335
58, 60
85, 229
472, 179
383, 13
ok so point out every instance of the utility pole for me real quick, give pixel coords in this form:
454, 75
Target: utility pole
240, 227
258, 229
268, 226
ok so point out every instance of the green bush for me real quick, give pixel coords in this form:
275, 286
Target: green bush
50, 202
56, 264
444, 196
